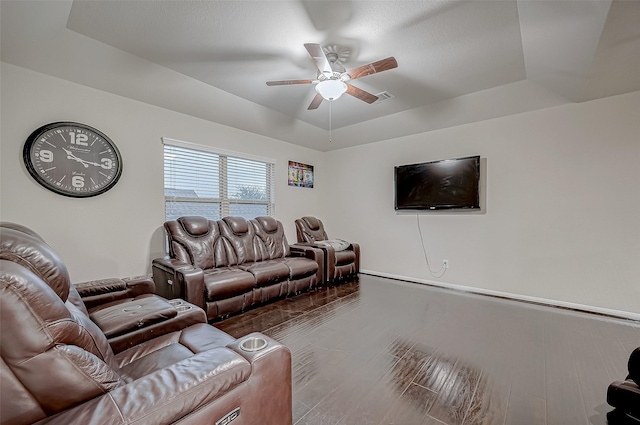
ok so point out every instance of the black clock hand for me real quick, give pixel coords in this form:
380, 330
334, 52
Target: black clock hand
70, 155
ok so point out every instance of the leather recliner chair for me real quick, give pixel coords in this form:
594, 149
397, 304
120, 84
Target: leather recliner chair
625, 395
126, 310
57, 366
339, 263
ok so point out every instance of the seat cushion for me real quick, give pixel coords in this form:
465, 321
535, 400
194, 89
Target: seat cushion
226, 282
161, 352
267, 272
301, 267
159, 359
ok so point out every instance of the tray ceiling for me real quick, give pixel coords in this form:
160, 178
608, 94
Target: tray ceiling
458, 61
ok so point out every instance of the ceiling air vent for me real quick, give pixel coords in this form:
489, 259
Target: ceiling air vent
384, 96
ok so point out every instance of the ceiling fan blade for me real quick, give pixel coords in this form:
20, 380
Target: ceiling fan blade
372, 68
320, 59
361, 94
315, 102
288, 82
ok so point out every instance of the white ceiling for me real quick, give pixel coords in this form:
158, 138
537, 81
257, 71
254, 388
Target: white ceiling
458, 61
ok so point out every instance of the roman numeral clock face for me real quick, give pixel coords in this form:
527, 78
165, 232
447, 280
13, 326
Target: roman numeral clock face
72, 159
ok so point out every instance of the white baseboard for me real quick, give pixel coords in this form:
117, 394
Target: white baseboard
516, 297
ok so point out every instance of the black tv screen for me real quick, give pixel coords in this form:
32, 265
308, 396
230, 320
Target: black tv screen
446, 184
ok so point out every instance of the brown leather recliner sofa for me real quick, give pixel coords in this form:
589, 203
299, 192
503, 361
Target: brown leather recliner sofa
229, 265
339, 261
58, 366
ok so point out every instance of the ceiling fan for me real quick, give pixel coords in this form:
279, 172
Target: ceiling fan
330, 83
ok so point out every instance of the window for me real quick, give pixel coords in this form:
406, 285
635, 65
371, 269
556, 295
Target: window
213, 184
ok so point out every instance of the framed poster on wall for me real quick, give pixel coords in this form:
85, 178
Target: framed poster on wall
300, 174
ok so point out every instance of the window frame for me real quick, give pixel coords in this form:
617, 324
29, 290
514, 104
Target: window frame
223, 200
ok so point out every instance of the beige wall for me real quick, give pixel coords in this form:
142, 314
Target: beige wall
118, 233
561, 220
562, 213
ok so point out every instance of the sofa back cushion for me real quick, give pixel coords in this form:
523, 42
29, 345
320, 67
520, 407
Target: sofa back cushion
25, 247
32, 252
196, 241
21, 228
230, 241
310, 230
238, 236
271, 240
50, 349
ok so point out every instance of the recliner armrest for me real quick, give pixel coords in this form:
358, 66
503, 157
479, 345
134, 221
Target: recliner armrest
177, 279
312, 252
101, 291
356, 249
167, 395
329, 258
625, 396
270, 382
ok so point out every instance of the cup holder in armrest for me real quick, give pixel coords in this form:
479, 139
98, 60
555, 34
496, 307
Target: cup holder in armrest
176, 302
253, 344
183, 307
131, 308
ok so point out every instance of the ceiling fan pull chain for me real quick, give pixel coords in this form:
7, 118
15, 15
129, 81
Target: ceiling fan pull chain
330, 102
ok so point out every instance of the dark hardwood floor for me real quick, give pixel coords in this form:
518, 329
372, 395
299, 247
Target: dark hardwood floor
379, 351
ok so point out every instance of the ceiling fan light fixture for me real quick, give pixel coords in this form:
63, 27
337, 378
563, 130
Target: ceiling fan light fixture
331, 89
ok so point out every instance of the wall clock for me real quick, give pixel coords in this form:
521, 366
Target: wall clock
72, 159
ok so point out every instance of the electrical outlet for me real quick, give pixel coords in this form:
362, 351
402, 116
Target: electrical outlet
445, 264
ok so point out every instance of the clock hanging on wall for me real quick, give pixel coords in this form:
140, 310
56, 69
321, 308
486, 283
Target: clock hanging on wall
72, 159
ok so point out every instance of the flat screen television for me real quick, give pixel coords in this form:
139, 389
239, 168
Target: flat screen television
437, 185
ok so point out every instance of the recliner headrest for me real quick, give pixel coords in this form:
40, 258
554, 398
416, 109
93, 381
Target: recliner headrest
34, 254
312, 222
238, 225
269, 224
21, 228
194, 225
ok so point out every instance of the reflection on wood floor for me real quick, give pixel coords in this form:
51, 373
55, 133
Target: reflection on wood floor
379, 351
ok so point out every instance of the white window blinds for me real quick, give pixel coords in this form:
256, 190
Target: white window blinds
200, 181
